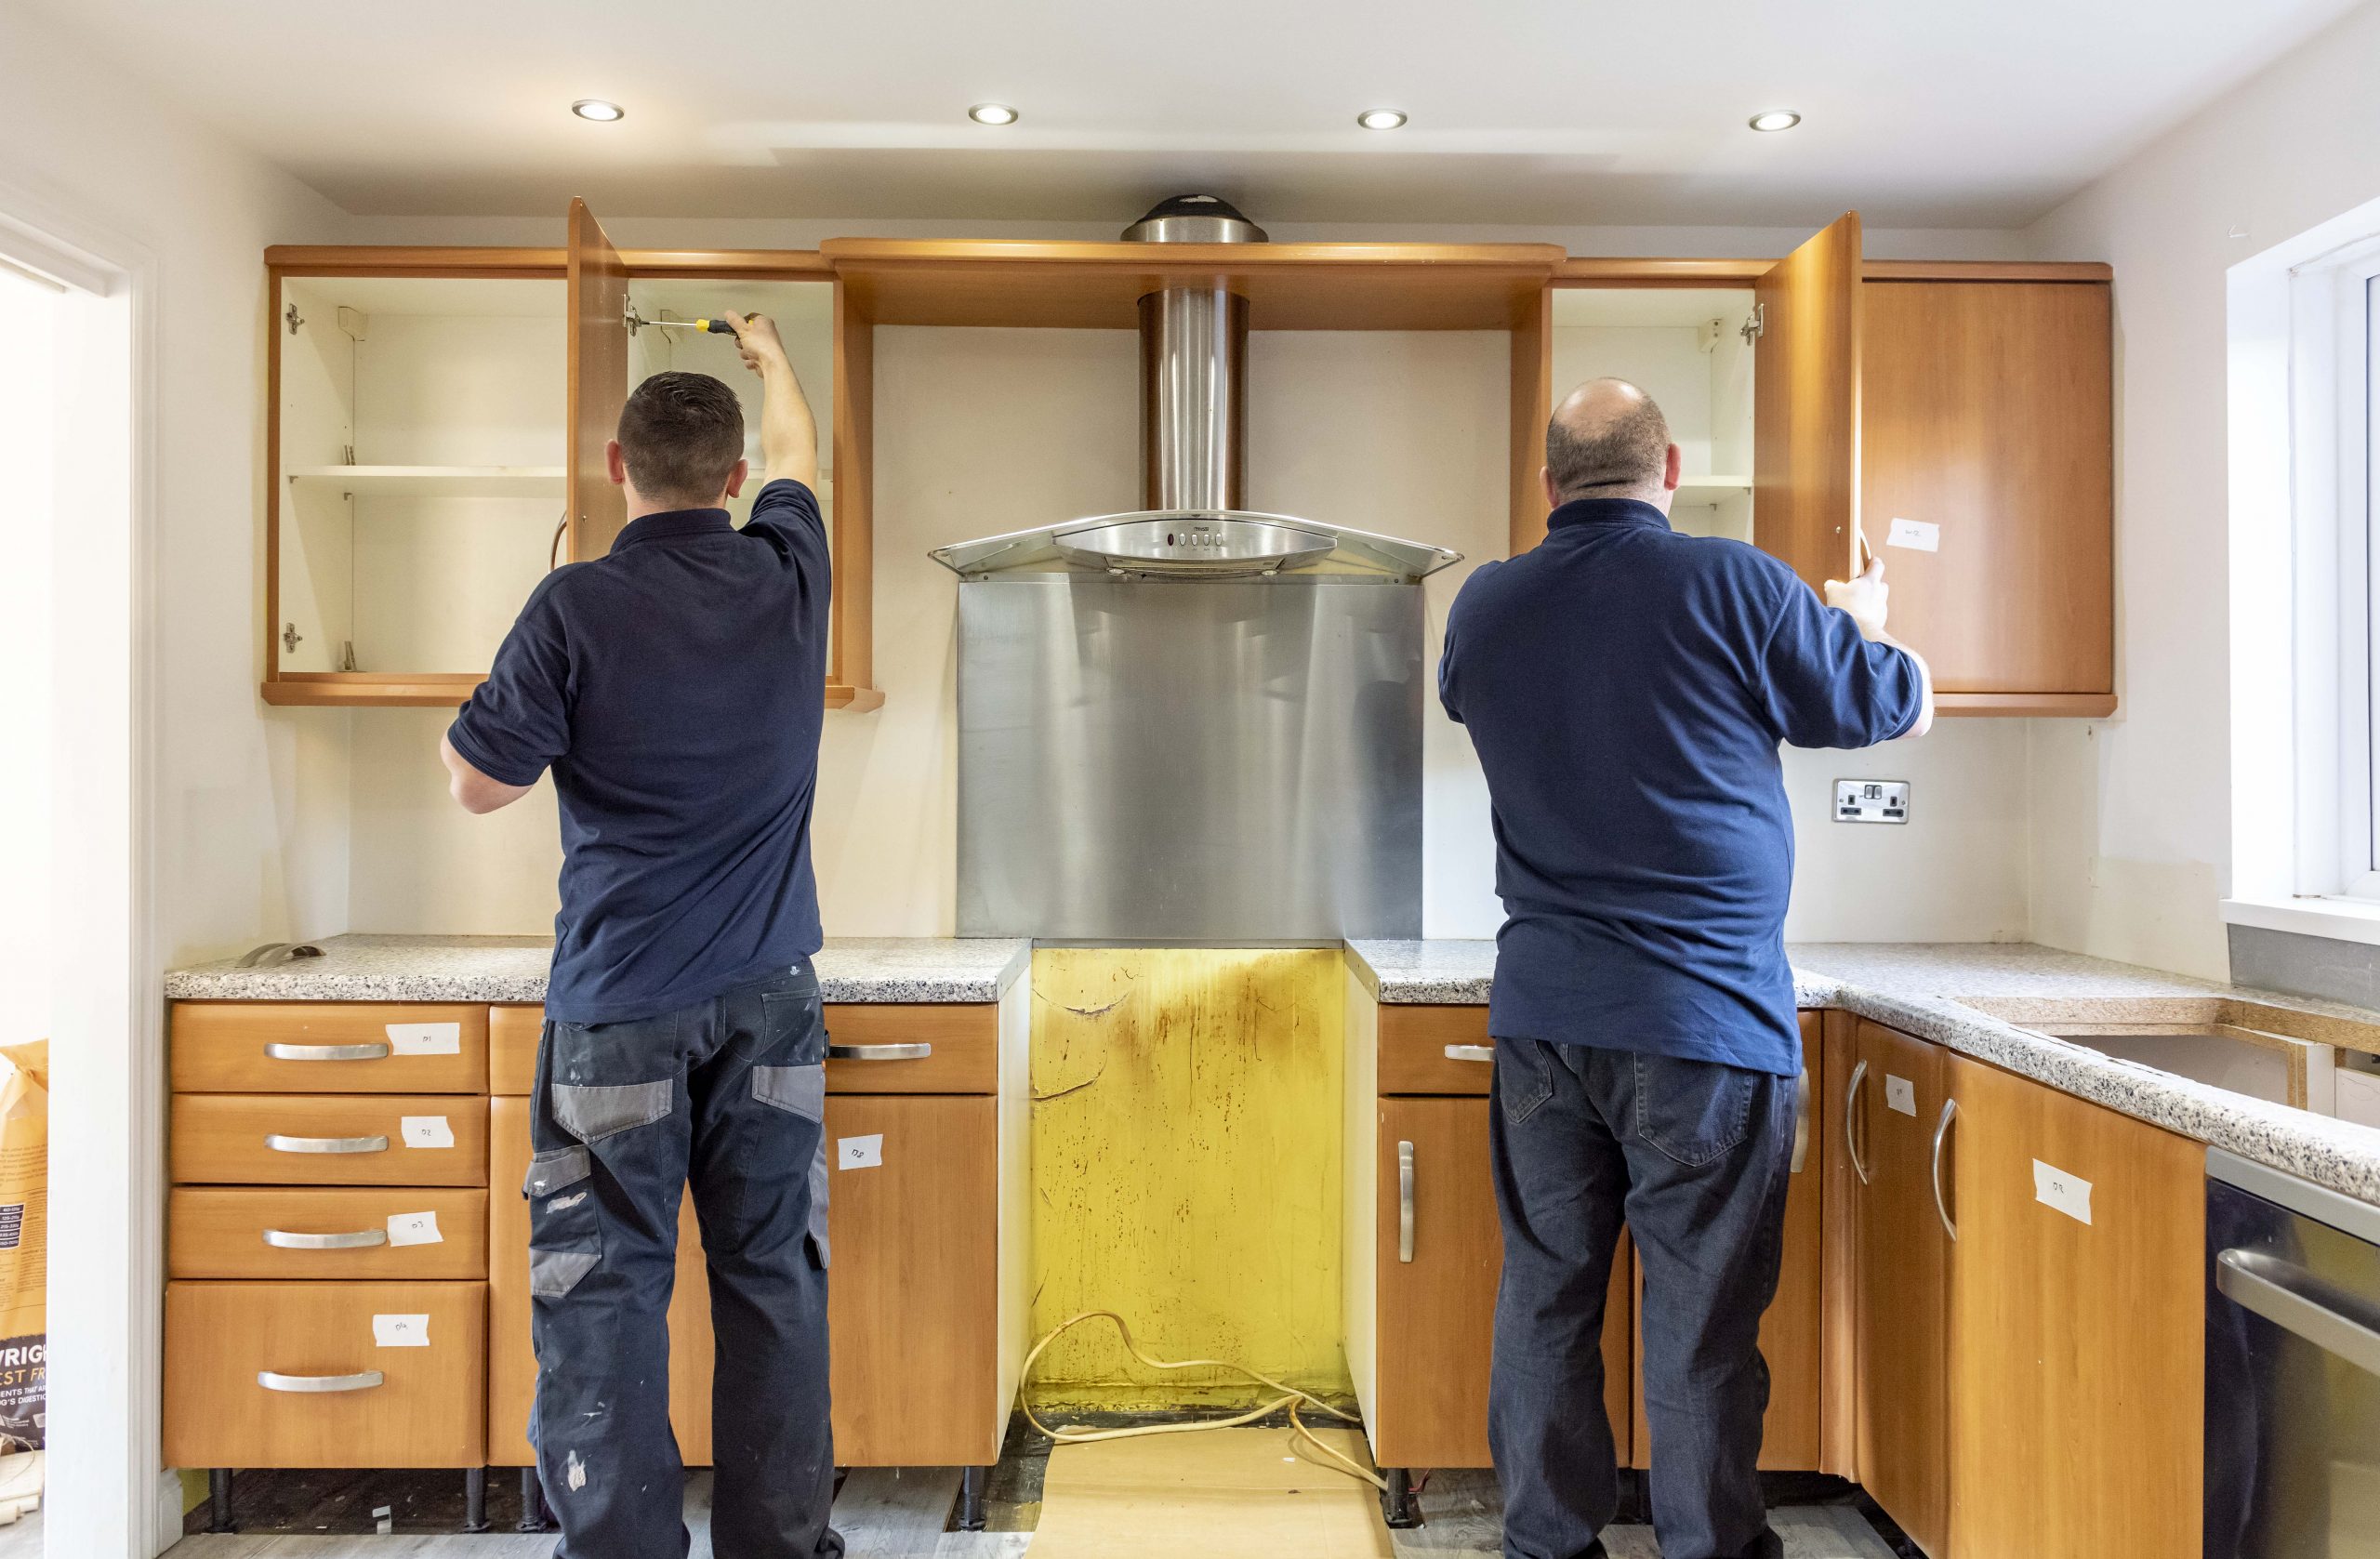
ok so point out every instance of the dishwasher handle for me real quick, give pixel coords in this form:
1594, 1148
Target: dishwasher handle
2262, 1283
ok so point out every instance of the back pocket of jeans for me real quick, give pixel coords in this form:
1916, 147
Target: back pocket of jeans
1524, 1079
1694, 1111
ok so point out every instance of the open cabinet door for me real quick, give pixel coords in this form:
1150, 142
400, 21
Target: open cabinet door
1805, 405
599, 382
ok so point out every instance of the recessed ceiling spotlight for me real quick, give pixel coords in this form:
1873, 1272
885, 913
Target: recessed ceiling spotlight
598, 109
1775, 119
992, 113
1381, 118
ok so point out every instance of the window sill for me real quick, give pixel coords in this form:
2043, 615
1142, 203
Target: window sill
2339, 919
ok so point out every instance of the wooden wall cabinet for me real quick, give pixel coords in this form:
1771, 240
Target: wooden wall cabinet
2031, 1307
926, 1301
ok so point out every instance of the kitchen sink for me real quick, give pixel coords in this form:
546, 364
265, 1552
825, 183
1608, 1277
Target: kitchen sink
2309, 1061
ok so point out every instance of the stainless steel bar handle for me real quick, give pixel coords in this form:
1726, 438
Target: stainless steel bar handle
1404, 1201
1851, 1120
1802, 1122
283, 1239
1471, 1052
316, 1383
1941, 1133
2248, 1278
373, 1050
878, 1052
280, 1143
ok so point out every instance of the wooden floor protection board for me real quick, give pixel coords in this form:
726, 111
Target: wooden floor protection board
1190, 1495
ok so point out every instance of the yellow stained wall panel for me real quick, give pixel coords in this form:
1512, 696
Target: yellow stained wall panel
1186, 1168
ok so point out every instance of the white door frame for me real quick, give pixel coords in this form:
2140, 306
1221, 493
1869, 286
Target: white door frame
108, 1493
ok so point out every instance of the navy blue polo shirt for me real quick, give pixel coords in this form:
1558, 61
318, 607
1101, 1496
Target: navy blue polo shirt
676, 688
1626, 688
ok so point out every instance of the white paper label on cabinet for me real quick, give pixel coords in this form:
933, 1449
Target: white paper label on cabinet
1918, 536
426, 1131
400, 1331
414, 1228
859, 1153
1900, 1094
424, 1039
2068, 1193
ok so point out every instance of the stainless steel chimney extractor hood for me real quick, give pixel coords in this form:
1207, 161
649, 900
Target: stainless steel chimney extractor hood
1194, 421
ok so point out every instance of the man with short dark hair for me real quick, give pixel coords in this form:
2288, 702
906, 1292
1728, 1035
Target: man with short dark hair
675, 687
1627, 688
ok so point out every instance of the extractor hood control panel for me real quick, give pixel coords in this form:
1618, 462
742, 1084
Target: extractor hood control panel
1870, 800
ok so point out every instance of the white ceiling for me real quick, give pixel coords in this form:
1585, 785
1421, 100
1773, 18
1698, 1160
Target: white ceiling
1545, 113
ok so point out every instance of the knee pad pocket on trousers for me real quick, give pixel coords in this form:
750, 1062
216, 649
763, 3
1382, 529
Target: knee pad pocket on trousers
565, 1241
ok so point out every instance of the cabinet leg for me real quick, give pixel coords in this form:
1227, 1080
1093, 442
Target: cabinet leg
474, 1498
535, 1517
972, 1483
218, 1499
1397, 1505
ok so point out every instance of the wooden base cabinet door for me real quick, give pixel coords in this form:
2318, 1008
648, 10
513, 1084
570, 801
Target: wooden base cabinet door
1896, 1099
2078, 1340
512, 1362
325, 1374
913, 1210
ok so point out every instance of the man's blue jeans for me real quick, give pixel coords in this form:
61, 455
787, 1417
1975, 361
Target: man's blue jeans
731, 1093
1695, 1159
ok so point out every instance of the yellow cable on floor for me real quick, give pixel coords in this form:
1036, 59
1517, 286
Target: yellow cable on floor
1290, 1397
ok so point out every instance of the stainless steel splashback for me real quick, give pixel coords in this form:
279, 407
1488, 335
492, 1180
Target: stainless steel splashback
1233, 761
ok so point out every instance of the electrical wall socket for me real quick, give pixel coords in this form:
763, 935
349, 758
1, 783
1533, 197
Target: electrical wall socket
1870, 800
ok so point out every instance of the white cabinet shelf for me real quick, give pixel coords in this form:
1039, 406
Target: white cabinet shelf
1711, 489
433, 481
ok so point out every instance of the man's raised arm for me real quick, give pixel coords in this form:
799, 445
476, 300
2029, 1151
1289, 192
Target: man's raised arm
788, 433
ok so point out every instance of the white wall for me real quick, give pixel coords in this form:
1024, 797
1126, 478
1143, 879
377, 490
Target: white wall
237, 862
2132, 842
27, 323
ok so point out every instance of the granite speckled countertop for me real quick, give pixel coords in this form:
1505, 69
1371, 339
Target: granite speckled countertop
1927, 990
506, 969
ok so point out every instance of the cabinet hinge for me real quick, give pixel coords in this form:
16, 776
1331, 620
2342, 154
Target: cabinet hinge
1755, 324
294, 317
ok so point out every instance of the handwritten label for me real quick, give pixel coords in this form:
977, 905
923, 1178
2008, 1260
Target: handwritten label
1918, 536
859, 1153
424, 1039
426, 1131
2068, 1193
414, 1228
400, 1331
1900, 1094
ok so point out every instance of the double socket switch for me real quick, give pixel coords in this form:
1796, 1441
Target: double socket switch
1870, 800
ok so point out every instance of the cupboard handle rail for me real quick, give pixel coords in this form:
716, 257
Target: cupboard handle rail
1802, 1121
1404, 1201
1851, 1120
284, 1239
917, 1051
280, 1143
375, 1050
1471, 1052
1941, 1133
319, 1383
2248, 1279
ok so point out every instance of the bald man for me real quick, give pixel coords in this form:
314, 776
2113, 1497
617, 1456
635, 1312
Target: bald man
1627, 688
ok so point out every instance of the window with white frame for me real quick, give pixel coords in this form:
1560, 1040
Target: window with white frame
2334, 427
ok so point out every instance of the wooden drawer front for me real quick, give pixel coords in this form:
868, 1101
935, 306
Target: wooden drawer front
427, 1409
328, 1047
962, 1041
288, 1232
1413, 1043
512, 1036
221, 1139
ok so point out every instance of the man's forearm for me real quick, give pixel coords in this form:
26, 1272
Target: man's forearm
788, 433
1924, 720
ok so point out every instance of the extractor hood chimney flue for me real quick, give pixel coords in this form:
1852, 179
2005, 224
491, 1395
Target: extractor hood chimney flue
1194, 367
